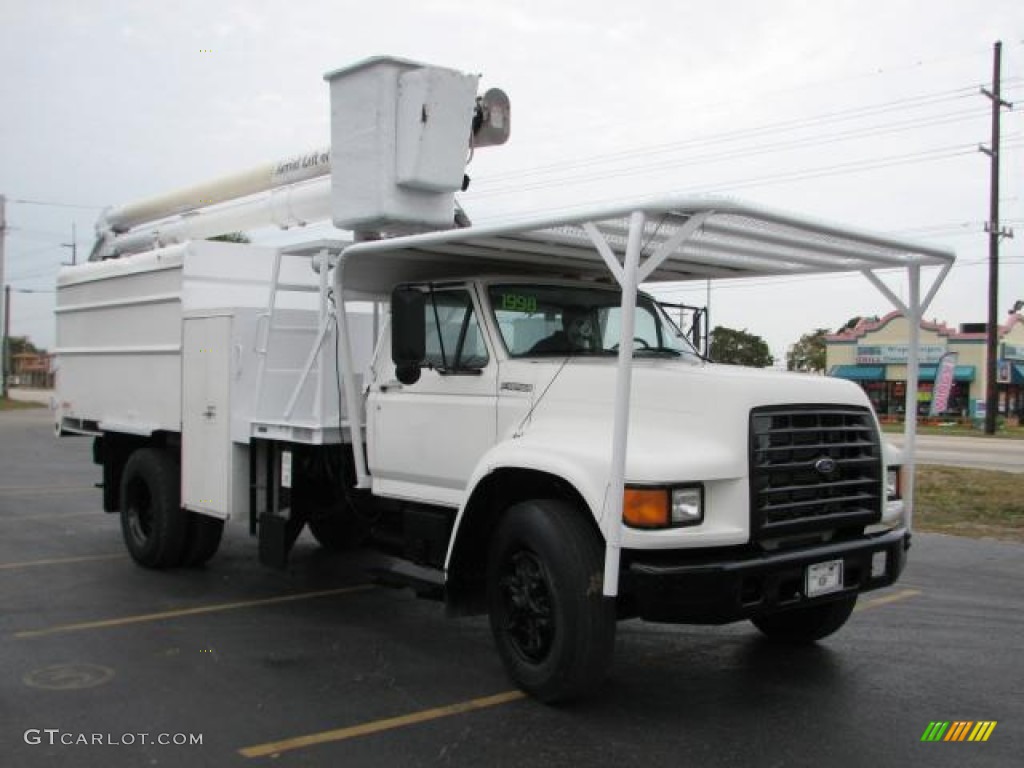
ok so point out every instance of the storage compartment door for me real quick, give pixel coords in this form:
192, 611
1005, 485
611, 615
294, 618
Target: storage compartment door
206, 415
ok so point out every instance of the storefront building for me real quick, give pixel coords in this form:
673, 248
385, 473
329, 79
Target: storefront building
874, 354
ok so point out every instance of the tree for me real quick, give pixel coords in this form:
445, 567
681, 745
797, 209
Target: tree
739, 348
808, 354
853, 322
20, 345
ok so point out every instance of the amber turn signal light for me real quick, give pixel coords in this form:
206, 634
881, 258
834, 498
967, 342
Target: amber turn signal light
645, 508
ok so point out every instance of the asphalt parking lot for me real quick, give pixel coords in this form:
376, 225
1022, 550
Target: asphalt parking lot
318, 666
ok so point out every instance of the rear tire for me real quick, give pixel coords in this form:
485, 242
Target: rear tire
554, 629
152, 522
801, 626
202, 540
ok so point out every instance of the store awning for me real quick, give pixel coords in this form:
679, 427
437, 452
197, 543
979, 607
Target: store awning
962, 373
859, 372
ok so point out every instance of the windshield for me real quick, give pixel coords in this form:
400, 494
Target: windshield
554, 320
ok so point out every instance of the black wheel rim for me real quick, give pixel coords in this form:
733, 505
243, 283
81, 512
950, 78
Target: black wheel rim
140, 512
528, 617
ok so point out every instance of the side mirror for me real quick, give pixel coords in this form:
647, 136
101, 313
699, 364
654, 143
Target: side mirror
408, 333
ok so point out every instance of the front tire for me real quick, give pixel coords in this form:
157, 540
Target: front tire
152, 522
554, 629
802, 626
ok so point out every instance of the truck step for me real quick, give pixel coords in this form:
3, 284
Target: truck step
427, 583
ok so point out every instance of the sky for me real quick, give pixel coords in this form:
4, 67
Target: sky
854, 111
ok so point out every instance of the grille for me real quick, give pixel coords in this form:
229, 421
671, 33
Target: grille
813, 469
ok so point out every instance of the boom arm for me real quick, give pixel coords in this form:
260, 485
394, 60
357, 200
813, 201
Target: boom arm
401, 135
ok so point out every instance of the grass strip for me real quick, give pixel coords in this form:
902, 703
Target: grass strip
7, 404
978, 503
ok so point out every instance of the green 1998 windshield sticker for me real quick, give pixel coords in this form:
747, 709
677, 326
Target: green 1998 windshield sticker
517, 302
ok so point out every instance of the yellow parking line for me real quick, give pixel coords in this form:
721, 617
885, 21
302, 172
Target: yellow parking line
895, 597
59, 561
376, 726
105, 623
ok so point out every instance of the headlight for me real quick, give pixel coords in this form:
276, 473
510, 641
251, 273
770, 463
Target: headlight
688, 505
663, 507
893, 475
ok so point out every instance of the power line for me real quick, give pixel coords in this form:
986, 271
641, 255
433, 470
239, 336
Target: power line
760, 149
884, 71
53, 204
961, 92
855, 166
936, 227
837, 116
930, 155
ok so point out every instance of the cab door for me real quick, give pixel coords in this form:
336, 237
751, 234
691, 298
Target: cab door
426, 438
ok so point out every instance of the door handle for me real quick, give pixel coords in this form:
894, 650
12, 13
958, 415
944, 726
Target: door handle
391, 386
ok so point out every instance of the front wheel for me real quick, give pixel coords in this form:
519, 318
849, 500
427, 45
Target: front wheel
807, 624
554, 629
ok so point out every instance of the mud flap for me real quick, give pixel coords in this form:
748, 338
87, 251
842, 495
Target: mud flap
277, 535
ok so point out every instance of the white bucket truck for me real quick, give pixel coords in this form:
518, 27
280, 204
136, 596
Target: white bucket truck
530, 436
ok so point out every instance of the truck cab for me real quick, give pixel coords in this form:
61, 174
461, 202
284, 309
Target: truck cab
748, 494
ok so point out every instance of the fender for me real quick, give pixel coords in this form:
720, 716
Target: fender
580, 471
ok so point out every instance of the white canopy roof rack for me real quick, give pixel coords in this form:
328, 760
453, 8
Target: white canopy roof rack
672, 239
681, 239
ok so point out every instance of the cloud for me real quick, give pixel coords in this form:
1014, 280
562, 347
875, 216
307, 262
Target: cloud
107, 102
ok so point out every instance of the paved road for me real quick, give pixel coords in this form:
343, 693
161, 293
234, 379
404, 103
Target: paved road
247, 657
975, 452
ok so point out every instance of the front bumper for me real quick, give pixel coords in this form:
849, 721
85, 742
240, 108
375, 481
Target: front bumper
688, 588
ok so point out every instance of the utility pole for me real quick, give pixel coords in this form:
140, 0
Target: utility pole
7, 336
3, 303
73, 245
994, 234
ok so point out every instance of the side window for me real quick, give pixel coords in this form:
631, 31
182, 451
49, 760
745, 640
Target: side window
454, 338
645, 328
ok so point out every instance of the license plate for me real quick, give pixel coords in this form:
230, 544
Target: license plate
823, 578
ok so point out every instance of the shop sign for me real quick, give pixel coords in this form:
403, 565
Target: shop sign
894, 354
1004, 372
1013, 352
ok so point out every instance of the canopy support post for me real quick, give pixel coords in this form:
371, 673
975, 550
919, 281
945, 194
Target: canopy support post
913, 310
612, 519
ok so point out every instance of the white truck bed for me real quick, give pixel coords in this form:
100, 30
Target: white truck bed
184, 340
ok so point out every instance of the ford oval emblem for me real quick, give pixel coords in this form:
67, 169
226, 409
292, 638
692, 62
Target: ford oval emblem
825, 466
